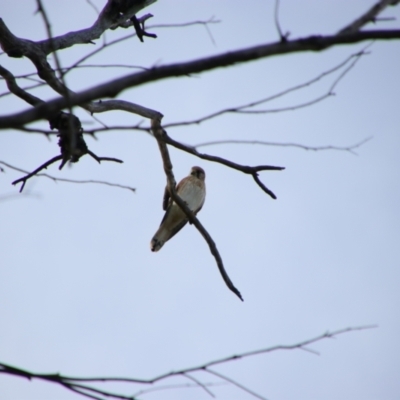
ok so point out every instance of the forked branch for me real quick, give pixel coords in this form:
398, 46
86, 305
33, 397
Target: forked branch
57, 179
253, 171
86, 386
160, 136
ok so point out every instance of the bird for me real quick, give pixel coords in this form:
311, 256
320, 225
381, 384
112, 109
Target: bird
192, 190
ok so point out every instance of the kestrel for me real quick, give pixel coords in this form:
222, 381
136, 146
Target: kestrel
192, 190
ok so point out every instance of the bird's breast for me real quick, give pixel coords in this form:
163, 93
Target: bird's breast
193, 193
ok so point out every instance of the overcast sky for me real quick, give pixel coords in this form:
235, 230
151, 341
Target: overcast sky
82, 294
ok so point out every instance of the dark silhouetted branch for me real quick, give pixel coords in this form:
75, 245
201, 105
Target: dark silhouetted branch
349, 63
110, 17
139, 27
161, 136
15, 89
253, 171
37, 51
121, 39
56, 179
33, 173
114, 87
63, 162
368, 16
85, 386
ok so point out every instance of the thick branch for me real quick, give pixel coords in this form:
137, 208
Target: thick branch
110, 17
15, 89
114, 13
113, 88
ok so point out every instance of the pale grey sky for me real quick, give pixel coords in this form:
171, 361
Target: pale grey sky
82, 294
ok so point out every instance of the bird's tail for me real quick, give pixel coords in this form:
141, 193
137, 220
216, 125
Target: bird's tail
156, 244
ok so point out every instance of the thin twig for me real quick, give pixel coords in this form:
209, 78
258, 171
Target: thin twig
368, 16
56, 179
33, 173
200, 384
350, 148
177, 386
93, 6
243, 168
100, 159
243, 109
282, 37
127, 37
235, 383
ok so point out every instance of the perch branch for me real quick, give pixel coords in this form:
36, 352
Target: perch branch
160, 135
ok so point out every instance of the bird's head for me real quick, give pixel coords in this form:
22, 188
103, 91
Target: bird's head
198, 173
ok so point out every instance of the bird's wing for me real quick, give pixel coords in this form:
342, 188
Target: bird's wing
173, 221
176, 228
166, 199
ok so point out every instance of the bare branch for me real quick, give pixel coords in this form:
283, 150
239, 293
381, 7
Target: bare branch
37, 51
200, 384
237, 384
121, 39
350, 148
15, 89
160, 136
63, 162
253, 171
109, 17
33, 173
56, 179
177, 386
25, 89
139, 27
97, 11
243, 109
367, 17
71, 142
277, 24
114, 87
81, 385
299, 345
